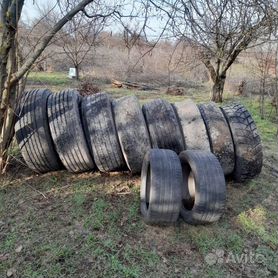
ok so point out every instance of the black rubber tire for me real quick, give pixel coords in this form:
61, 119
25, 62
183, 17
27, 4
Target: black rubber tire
101, 133
161, 182
247, 142
204, 187
132, 131
163, 125
219, 134
192, 125
67, 131
33, 134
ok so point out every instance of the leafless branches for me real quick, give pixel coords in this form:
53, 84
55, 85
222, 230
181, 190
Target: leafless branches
12, 72
221, 30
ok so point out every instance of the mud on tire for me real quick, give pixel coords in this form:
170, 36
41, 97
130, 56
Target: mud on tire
101, 133
163, 125
192, 125
132, 131
247, 142
219, 136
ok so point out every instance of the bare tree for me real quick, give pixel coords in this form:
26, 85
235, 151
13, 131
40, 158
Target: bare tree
264, 57
274, 101
220, 30
131, 38
80, 36
181, 58
12, 73
134, 35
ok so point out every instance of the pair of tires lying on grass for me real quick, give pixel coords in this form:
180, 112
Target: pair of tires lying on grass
191, 185
84, 133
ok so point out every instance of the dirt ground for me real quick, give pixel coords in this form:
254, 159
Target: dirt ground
89, 225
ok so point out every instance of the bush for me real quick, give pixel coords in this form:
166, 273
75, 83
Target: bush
88, 87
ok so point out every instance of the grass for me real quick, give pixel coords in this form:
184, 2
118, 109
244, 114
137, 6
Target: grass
145, 96
49, 78
54, 81
254, 221
267, 126
89, 225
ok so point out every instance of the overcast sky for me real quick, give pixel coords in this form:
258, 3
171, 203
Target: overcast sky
31, 11
30, 8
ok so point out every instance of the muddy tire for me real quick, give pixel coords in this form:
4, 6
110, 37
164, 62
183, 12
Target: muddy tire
132, 131
219, 134
101, 133
163, 125
67, 131
204, 187
161, 182
192, 125
247, 142
33, 134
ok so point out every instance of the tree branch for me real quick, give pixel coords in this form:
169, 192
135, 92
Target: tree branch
45, 41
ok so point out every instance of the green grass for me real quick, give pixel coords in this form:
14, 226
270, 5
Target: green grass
214, 272
9, 242
89, 225
255, 222
267, 126
98, 215
49, 79
270, 258
206, 240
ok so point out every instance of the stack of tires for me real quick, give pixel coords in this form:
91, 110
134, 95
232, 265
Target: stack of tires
64, 130
183, 149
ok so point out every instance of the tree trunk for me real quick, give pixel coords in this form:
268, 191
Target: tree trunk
129, 68
218, 88
10, 75
7, 106
262, 97
77, 72
276, 83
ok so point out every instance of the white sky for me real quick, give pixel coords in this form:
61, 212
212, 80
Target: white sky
31, 11
30, 8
